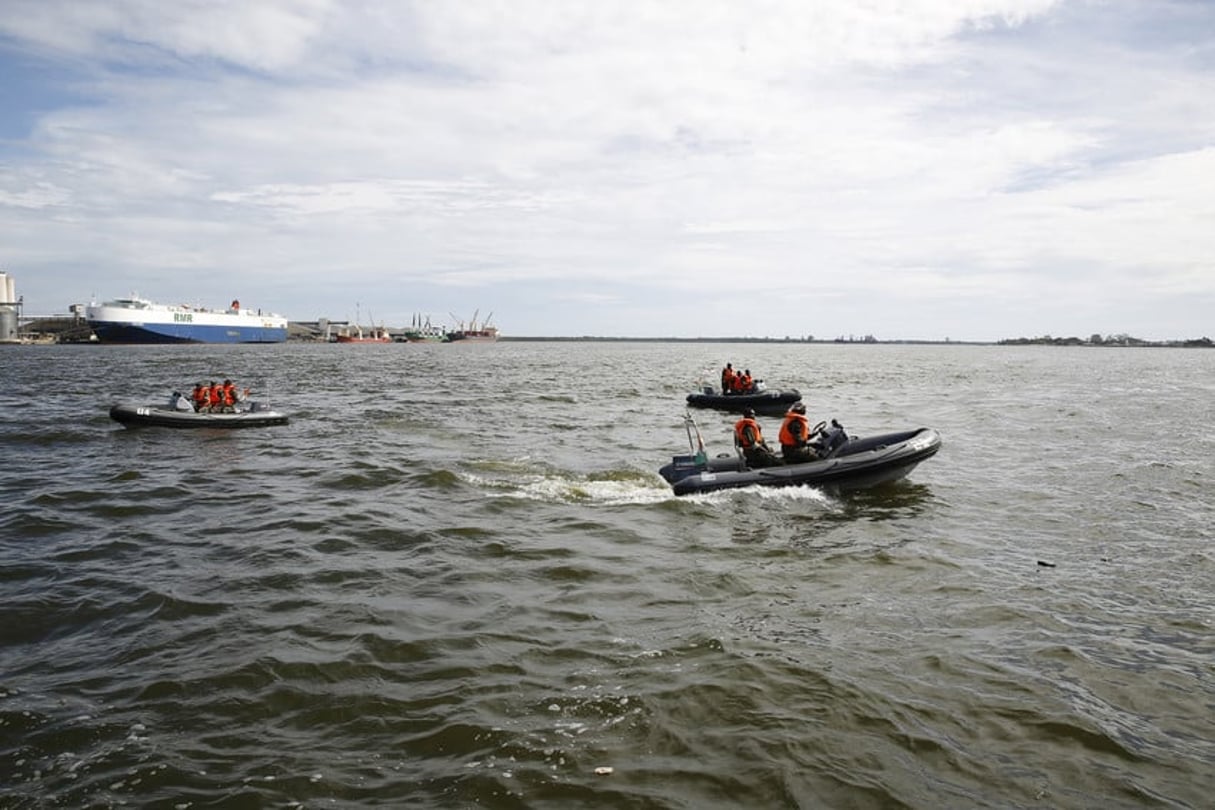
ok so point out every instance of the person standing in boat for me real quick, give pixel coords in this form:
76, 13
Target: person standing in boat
749, 436
727, 379
795, 446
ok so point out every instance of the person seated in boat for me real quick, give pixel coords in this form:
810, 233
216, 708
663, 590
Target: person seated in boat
749, 436
216, 399
231, 396
795, 438
727, 379
747, 383
201, 397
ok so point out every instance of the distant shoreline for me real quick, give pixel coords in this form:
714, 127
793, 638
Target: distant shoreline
69, 329
1200, 343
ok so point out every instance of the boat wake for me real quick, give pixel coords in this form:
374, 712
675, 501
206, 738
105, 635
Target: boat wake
782, 495
605, 488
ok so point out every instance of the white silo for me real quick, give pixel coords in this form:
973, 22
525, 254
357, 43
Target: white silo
8, 309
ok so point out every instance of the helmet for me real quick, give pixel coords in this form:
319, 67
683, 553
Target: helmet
799, 407
749, 413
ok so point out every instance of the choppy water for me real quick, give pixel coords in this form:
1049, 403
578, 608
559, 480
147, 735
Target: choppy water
456, 580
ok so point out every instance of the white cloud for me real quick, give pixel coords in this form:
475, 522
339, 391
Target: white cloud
933, 157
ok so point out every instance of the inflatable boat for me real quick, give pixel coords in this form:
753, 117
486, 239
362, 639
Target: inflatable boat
766, 403
846, 463
248, 415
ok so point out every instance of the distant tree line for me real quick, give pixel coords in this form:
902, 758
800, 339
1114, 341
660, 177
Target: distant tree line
1106, 340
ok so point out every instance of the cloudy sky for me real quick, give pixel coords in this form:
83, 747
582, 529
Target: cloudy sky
910, 169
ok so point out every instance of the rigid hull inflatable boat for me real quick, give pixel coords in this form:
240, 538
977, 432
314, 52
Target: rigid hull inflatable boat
252, 414
847, 463
767, 403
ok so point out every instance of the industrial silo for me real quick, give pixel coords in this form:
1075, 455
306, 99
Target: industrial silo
8, 309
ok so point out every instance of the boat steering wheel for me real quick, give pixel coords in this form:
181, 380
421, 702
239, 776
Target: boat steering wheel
818, 429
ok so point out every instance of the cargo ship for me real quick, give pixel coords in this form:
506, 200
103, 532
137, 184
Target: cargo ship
420, 331
355, 334
138, 320
474, 332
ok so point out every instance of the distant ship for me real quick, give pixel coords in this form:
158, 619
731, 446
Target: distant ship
474, 332
355, 334
420, 331
138, 320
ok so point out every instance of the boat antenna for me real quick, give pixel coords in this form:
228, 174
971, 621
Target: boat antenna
693, 429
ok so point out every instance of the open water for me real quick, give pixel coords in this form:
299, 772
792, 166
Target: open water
456, 580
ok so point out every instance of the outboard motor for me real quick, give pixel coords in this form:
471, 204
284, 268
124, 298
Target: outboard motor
682, 466
831, 439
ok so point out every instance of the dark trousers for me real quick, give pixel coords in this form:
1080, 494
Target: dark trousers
798, 455
760, 456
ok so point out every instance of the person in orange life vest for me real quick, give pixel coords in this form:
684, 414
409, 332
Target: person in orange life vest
217, 397
747, 384
201, 396
228, 392
727, 379
795, 446
750, 438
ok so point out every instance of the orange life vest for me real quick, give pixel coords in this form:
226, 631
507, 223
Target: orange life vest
230, 394
727, 380
217, 395
201, 395
787, 439
740, 433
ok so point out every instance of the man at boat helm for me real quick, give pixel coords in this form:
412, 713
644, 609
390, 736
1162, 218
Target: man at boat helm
795, 446
750, 438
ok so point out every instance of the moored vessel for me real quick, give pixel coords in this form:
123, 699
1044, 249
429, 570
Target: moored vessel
423, 331
474, 332
138, 320
356, 334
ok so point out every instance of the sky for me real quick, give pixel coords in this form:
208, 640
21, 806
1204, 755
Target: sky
967, 170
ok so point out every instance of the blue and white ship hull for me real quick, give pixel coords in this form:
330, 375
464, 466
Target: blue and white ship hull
137, 320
